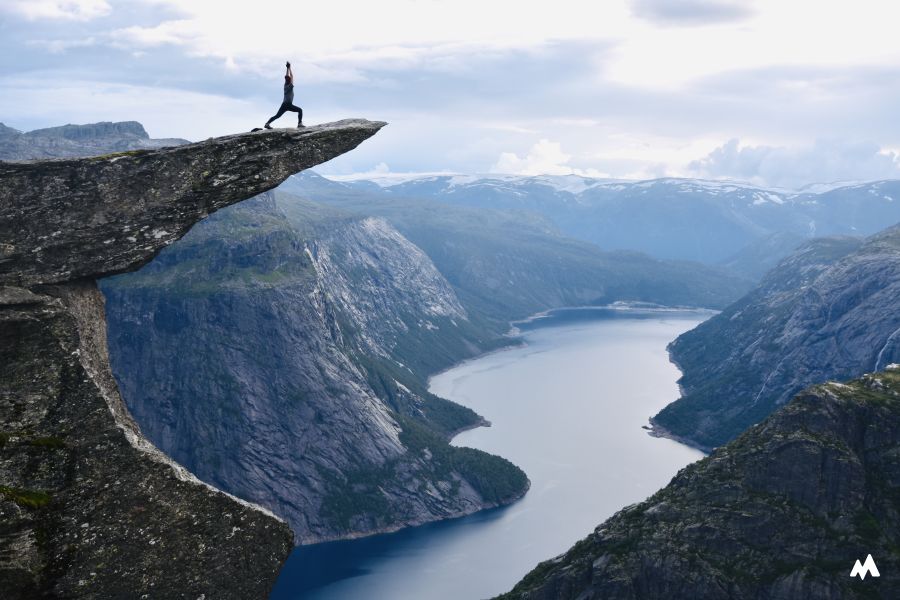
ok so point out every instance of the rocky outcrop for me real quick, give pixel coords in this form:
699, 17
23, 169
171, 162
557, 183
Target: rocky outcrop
66, 219
827, 312
91, 508
784, 511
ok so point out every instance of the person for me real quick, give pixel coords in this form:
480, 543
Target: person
287, 105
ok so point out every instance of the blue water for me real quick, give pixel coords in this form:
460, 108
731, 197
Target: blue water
568, 408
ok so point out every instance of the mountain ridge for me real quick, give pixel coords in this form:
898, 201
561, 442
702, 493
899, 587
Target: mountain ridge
712, 222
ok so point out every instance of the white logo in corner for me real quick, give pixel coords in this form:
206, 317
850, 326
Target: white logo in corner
866, 568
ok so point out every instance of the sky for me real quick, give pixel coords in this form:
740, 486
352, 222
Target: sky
774, 92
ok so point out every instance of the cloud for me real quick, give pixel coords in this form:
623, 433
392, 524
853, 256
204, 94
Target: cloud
70, 10
691, 12
176, 32
824, 161
466, 85
383, 174
62, 46
544, 158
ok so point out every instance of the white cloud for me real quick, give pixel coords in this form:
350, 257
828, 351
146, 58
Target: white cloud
178, 32
341, 34
61, 46
469, 84
691, 12
72, 10
544, 158
825, 161
382, 174
323, 28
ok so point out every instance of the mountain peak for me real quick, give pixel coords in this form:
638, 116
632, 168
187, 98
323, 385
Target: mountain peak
93, 130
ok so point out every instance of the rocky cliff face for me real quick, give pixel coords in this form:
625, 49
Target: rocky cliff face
784, 511
827, 312
90, 507
71, 218
281, 337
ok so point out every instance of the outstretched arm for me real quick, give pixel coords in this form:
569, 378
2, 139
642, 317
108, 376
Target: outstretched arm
289, 74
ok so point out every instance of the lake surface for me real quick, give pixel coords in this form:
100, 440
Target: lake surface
568, 409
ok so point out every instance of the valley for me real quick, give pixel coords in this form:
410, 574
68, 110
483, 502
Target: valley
568, 407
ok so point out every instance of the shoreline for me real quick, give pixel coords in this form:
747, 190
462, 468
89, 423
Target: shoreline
514, 343
514, 331
658, 431
416, 523
654, 429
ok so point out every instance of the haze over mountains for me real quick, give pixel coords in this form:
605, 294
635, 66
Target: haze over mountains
744, 227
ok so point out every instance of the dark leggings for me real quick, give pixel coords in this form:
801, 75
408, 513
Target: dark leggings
286, 107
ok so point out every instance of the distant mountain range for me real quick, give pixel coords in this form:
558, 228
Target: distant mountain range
70, 141
741, 226
510, 264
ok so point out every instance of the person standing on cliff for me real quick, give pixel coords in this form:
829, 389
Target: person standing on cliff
287, 105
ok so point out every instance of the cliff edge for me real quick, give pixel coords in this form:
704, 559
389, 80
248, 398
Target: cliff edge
88, 507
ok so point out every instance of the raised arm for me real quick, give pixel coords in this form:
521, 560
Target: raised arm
289, 74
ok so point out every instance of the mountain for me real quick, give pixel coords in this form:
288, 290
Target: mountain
680, 219
509, 265
828, 311
90, 507
783, 511
280, 350
331, 315
72, 141
276, 357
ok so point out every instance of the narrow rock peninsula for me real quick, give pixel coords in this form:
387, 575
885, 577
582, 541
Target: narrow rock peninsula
89, 507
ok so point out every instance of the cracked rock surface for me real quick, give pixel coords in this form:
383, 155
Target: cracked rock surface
88, 507
89, 217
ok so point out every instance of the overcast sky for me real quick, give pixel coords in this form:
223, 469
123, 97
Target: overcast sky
777, 92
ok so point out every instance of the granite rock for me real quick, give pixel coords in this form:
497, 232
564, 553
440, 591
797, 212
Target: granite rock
90, 508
